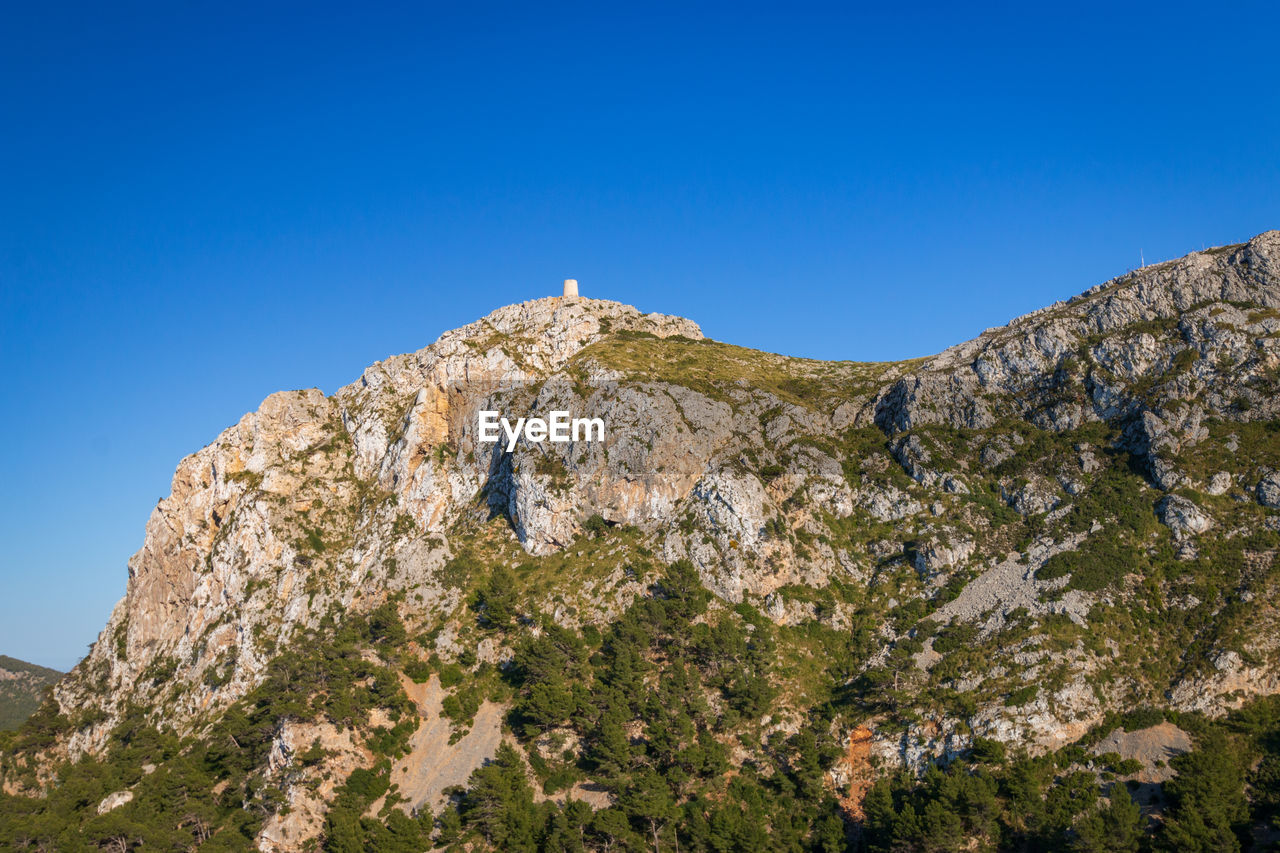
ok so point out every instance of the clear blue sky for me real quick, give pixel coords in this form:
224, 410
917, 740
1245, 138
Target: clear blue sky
200, 205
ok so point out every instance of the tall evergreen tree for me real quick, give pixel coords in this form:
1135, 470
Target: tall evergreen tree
1117, 827
1207, 802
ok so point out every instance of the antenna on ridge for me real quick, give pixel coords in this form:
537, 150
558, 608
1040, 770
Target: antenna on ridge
1142, 260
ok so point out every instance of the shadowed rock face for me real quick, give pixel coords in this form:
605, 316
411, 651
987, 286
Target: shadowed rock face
762, 471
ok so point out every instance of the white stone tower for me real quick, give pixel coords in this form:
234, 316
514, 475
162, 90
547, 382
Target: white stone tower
570, 287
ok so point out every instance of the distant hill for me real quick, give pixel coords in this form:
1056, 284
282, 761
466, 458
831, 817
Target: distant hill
22, 687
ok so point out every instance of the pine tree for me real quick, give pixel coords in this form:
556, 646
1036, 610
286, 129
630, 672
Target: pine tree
648, 802
499, 802
1117, 827
1208, 805
497, 598
610, 747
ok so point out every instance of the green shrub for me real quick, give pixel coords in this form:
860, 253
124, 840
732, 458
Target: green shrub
417, 670
451, 675
769, 473
1021, 696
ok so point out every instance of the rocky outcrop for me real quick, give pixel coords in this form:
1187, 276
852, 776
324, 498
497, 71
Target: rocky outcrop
1269, 490
1035, 497
1183, 517
1174, 325
114, 800
939, 554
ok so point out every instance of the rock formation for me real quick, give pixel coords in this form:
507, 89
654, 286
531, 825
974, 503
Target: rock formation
931, 500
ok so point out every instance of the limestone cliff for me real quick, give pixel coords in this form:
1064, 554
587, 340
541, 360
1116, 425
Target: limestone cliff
312, 502
1047, 493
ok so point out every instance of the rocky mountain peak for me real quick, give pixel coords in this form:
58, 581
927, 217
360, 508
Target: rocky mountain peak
521, 341
1079, 461
284, 496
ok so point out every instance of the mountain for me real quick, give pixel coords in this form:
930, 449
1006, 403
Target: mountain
22, 688
950, 602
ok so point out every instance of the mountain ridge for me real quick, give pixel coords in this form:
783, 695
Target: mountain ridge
952, 550
450, 360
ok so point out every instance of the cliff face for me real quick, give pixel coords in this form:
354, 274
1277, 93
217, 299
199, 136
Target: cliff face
931, 508
311, 503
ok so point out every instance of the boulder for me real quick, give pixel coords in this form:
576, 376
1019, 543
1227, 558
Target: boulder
1269, 490
1183, 517
114, 800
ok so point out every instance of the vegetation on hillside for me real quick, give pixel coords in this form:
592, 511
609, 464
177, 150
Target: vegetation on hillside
22, 688
210, 791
